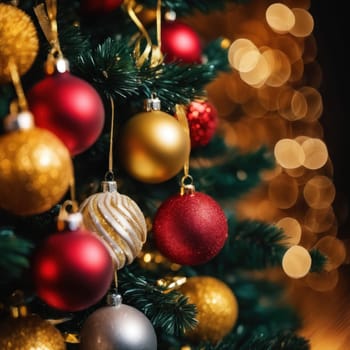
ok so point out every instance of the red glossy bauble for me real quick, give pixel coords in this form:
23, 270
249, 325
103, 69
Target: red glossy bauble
202, 119
180, 43
190, 229
91, 7
72, 270
70, 108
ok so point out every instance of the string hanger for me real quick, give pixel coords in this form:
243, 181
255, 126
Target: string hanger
151, 51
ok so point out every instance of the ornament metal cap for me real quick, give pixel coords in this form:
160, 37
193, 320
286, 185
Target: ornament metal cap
152, 104
22, 121
109, 186
187, 186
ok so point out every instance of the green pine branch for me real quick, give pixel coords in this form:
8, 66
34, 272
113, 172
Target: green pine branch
14, 255
231, 173
176, 84
169, 312
110, 68
185, 7
283, 340
319, 261
280, 341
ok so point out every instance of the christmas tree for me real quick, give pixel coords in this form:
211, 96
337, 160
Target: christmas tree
163, 174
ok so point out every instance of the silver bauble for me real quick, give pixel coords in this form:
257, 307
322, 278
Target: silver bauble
120, 327
118, 220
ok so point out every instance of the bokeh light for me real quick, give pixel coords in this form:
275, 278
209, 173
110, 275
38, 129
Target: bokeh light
296, 262
280, 18
319, 192
289, 153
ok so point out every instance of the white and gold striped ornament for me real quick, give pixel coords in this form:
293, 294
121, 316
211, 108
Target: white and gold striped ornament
118, 220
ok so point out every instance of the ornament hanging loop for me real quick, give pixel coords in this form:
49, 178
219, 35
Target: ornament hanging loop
187, 186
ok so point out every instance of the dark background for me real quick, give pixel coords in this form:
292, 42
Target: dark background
331, 37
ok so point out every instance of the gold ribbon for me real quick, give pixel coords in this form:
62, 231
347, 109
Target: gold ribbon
180, 111
171, 283
22, 101
152, 52
48, 23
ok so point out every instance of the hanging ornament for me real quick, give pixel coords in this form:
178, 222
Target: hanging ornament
69, 107
23, 331
202, 119
154, 146
63, 103
117, 326
190, 228
180, 43
30, 332
72, 269
35, 167
217, 308
93, 7
19, 41
118, 220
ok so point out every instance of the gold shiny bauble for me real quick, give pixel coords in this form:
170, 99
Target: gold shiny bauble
217, 308
18, 41
118, 220
35, 171
154, 146
30, 333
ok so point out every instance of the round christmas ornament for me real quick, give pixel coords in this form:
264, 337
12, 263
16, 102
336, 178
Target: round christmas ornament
118, 327
35, 167
202, 119
19, 41
154, 145
217, 308
69, 107
91, 7
72, 269
180, 43
29, 333
190, 228
118, 220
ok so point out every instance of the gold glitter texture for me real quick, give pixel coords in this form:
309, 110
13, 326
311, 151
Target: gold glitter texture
29, 333
217, 307
35, 171
18, 41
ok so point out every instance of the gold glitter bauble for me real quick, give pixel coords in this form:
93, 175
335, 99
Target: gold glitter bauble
217, 308
35, 171
118, 220
154, 146
30, 333
18, 41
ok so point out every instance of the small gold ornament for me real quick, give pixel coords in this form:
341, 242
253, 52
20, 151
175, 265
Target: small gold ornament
154, 145
35, 170
18, 41
29, 333
118, 220
217, 308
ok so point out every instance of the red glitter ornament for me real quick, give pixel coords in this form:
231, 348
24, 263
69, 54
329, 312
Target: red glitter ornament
180, 43
99, 6
72, 270
190, 229
202, 119
70, 108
